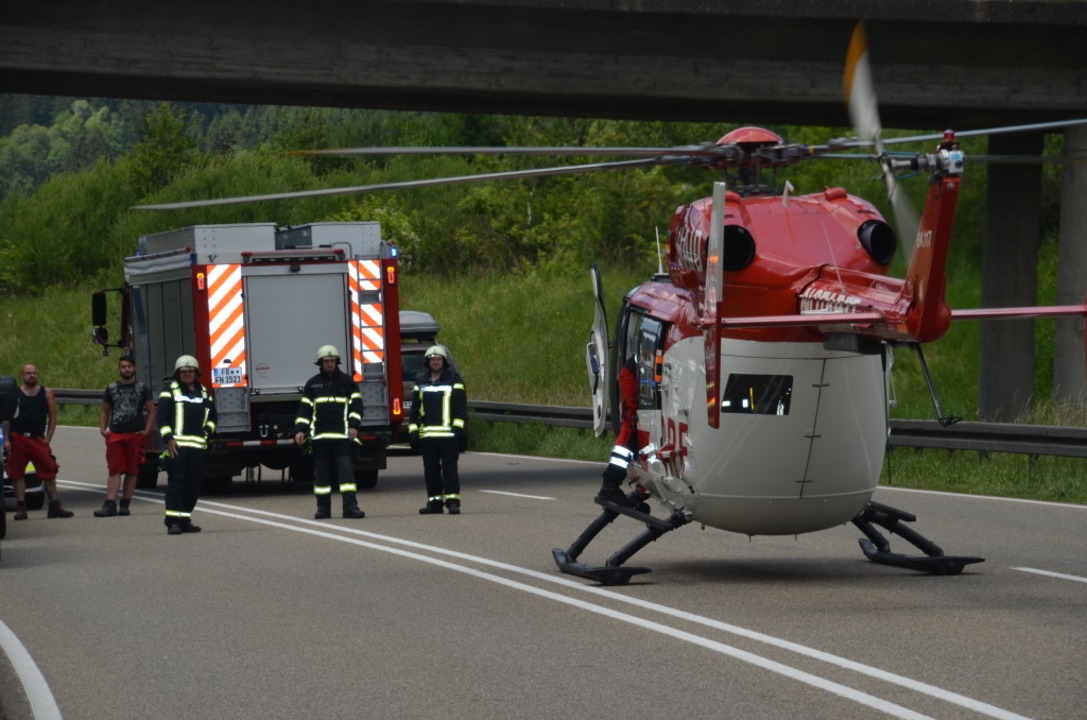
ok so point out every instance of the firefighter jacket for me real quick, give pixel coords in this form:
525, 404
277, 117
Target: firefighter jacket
330, 406
186, 416
439, 408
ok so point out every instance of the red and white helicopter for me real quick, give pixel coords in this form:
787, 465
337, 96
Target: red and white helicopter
763, 352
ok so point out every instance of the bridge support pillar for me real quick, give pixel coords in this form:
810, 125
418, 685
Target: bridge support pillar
1009, 277
1070, 364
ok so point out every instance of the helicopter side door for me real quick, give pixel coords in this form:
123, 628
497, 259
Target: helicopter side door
641, 338
596, 356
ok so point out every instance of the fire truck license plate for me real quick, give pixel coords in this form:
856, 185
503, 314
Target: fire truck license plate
227, 376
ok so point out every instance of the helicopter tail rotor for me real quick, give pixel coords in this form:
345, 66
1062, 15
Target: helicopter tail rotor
860, 98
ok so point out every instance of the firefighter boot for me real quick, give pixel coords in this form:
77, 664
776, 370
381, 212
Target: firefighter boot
56, 510
610, 490
351, 506
433, 507
109, 509
324, 508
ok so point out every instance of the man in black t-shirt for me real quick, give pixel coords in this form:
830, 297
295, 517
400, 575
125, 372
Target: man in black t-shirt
27, 439
126, 419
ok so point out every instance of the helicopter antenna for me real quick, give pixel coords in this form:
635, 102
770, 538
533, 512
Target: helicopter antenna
833, 260
660, 258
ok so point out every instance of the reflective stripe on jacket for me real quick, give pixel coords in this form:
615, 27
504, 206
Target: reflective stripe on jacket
330, 406
439, 407
186, 417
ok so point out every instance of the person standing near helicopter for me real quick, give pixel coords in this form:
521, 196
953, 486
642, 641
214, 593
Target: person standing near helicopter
439, 410
625, 449
330, 415
186, 416
27, 439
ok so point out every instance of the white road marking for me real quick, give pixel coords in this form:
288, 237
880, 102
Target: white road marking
322, 529
1050, 573
520, 495
43, 706
1025, 501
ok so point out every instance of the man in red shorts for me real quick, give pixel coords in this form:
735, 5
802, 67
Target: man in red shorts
27, 438
126, 419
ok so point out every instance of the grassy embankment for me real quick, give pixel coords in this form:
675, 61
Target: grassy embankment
521, 338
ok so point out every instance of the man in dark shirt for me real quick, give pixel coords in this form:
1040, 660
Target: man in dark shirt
126, 419
27, 439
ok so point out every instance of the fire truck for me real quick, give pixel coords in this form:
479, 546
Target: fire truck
253, 303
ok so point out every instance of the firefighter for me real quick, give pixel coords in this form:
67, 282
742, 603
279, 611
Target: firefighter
186, 417
27, 439
439, 410
330, 415
626, 442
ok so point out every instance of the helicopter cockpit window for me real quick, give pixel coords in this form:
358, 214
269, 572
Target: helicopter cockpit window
646, 340
757, 394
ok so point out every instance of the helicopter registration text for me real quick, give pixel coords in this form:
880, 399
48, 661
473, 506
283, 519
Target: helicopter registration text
690, 248
675, 434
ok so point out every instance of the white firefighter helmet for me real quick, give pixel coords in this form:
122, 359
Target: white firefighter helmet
439, 351
327, 351
186, 362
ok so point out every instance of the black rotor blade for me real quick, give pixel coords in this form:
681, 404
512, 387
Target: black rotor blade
409, 184
990, 131
704, 149
1026, 159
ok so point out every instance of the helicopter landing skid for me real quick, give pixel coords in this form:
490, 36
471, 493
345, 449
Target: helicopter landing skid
612, 572
878, 550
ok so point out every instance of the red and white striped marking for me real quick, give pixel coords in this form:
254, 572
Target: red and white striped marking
367, 319
226, 326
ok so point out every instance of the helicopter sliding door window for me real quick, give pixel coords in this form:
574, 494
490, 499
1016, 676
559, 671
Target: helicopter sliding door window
757, 394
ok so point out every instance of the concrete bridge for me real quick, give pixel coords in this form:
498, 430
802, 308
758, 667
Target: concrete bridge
937, 63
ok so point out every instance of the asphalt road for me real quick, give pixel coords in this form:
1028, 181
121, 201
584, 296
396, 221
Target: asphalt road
270, 614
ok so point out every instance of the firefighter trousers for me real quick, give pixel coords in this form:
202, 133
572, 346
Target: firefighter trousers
440, 466
184, 476
326, 455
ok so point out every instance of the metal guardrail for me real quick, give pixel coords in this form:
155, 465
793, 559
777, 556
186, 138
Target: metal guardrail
1033, 440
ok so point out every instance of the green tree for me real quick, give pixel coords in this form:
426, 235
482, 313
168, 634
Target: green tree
56, 236
167, 149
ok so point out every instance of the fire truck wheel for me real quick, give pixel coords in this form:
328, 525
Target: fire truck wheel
302, 471
366, 479
148, 477
218, 484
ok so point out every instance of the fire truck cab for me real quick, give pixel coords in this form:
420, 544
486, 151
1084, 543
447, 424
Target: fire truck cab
253, 303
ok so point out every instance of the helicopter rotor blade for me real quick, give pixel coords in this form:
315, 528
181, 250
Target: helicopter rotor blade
1033, 127
1027, 159
860, 97
410, 184
700, 150
859, 91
